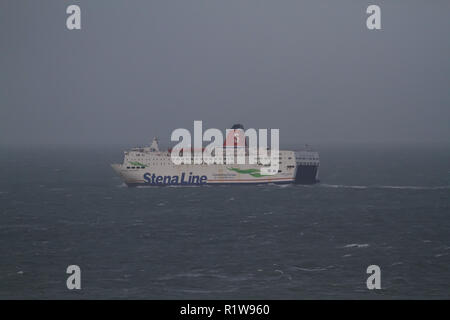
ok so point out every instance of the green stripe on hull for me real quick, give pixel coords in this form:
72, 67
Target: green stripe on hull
253, 172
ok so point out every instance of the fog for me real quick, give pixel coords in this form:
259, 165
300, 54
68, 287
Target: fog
139, 69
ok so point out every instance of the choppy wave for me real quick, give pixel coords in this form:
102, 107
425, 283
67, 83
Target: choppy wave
282, 186
342, 186
57, 189
384, 187
356, 245
316, 269
415, 187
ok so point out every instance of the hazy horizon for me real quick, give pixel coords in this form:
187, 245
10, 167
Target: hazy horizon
141, 69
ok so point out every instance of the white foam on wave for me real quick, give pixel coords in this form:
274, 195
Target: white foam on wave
384, 187
180, 186
323, 185
283, 185
414, 187
313, 269
441, 254
342, 186
356, 245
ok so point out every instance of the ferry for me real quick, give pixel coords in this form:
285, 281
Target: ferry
152, 167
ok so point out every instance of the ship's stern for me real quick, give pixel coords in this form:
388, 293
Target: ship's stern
307, 167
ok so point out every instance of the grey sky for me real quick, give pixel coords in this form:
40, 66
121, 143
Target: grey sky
144, 68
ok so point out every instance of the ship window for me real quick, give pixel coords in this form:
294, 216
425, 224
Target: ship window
128, 167
132, 167
279, 171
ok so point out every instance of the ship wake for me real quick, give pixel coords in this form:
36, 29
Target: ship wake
324, 185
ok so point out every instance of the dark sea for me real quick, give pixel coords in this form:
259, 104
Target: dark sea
385, 206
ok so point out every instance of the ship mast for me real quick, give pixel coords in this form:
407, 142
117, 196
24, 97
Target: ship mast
154, 146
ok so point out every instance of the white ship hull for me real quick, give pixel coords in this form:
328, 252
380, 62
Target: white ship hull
199, 175
142, 167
